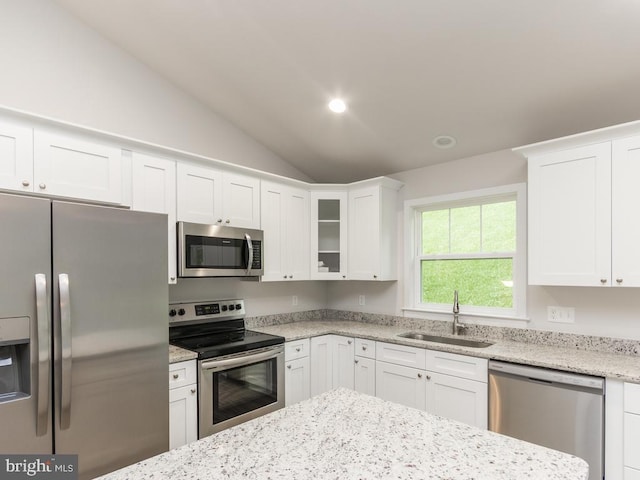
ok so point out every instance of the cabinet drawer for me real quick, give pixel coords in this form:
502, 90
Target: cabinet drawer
401, 355
296, 349
365, 348
632, 398
182, 373
631, 440
461, 366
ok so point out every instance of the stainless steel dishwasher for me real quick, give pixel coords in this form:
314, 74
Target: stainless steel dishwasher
558, 410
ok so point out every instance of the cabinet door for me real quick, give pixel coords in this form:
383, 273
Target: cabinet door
631, 440
75, 167
273, 199
365, 375
297, 234
364, 234
154, 190
297, 385
457, 398
199, 195
16, 157
400, 384
625, 226
328, 235
321, 364
183, 416
570, 217
240, 201
343, 356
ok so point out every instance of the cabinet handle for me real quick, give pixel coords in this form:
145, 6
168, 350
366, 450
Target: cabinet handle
603, 281
289, 367
175, 376
42, 186
344, 276
356, 360
618, 281
297, 349
25, 183
364, 347
290, 276
173, 279
375, 276
193, 390
428, 377
219, 220
284, 276
419, 375
349, 342
227, 221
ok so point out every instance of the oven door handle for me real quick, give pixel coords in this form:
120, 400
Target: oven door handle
226, 364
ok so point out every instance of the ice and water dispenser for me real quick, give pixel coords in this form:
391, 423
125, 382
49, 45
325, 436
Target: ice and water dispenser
14, 358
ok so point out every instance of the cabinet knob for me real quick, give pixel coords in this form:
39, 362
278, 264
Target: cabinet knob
297, 349
375, 276
344, 276
219, 220
349, 342
175, 376
284, 276
364, 347
428, 377
25, 183
227, 221
173, 279
290, 276
193, 390
618, 281
42, 186
419, 375
356, 360
289, 367
603, 281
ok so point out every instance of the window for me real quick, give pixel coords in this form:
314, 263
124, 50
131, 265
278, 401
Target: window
473, 242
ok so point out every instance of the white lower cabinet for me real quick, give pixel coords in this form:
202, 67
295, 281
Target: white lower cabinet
364, 375
401, 384
332, 359
183, 403
457, 398
297, 380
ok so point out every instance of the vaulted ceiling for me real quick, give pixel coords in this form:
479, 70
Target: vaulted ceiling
493, 74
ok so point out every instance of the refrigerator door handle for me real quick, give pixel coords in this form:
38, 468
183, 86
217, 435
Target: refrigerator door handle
42, 321
65, 344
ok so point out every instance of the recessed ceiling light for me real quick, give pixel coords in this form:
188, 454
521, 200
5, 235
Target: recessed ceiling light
337, 105
444, 141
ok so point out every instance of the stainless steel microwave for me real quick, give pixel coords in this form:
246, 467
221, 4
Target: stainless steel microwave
215, 251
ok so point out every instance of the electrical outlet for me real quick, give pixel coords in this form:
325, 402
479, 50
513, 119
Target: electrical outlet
561, 314
361, 300
294, 300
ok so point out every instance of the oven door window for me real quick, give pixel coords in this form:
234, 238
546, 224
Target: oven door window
243, 389
216, 253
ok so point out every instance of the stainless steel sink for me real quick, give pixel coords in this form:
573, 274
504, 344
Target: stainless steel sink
463, 342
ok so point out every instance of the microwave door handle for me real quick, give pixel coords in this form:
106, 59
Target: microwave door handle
42, 320
250, 247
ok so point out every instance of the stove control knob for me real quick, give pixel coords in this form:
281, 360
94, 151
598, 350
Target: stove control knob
223, 308
181, 312
172, 312
232, 307
238, 306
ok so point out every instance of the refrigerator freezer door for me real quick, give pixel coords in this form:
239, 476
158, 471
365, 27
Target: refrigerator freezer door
111, 357
25, 238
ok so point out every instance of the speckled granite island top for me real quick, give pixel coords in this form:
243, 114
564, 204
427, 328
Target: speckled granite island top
602, 364
342, 434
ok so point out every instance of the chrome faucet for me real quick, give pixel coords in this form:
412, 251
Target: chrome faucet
457, 326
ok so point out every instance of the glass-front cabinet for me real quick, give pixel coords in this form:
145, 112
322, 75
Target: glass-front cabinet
329, 235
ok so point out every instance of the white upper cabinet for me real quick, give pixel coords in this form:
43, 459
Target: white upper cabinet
154, 190
16, 157
328, 235
76, 166
373, 230
207, 195
582, 221
285, 222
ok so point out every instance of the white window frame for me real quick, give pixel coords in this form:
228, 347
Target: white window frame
412, 212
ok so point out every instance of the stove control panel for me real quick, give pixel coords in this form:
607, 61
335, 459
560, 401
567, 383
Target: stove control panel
206, 310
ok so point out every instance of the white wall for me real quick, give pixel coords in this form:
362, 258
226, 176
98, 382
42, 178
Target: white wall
55, 66
610, 312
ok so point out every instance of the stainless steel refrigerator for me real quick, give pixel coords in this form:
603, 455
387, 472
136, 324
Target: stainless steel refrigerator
83, 332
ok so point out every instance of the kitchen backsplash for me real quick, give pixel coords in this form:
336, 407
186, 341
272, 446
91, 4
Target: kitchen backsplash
557, 339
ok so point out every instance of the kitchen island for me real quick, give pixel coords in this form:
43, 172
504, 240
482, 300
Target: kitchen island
342, 434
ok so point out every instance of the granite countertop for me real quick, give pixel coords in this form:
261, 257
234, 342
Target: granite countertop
177, 354
601, 364
342, 434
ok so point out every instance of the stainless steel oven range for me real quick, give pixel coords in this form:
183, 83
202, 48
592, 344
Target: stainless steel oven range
240, 372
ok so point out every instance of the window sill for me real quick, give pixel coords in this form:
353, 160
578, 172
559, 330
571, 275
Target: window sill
479, 318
